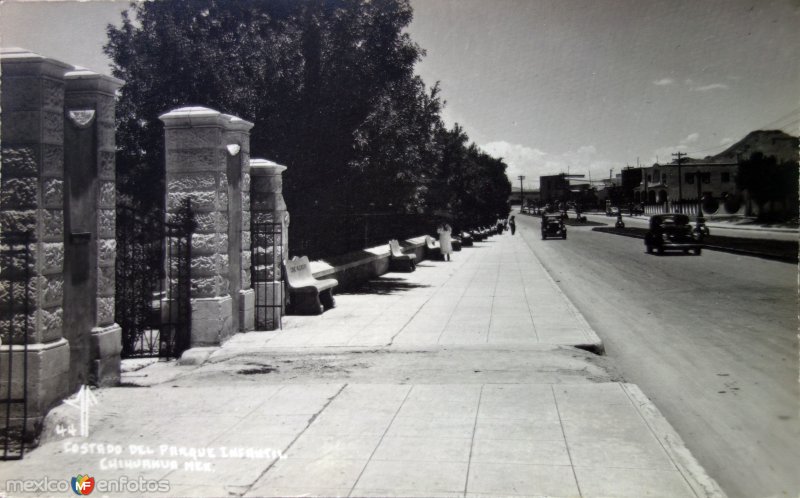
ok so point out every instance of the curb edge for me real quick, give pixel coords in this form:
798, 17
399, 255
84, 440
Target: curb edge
696, 476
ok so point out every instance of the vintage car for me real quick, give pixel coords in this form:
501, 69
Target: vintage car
671, 232
553, 226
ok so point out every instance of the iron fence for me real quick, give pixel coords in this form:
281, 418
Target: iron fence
15, 309
324, 235
153, 295
266, 258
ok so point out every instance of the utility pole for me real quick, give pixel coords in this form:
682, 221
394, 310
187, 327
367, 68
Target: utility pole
521, 197
680, 157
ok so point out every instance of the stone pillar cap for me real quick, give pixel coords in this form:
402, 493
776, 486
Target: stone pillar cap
237, 124
17, 55
193, 116
266, 166
87, 79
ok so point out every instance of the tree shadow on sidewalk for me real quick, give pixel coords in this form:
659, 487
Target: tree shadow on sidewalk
382, 286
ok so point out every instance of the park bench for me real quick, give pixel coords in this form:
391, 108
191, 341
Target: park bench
307, 295
466, 239
398, 260
432, 249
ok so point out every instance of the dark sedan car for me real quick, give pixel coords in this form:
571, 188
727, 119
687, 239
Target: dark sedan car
553, 226
671, 232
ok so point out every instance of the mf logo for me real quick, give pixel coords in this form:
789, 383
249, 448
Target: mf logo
82, 484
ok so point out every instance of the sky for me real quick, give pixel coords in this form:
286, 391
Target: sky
555, 86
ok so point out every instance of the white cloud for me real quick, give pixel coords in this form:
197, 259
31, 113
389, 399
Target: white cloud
726, 141
533, 162
664, 82
713, 86
663, 155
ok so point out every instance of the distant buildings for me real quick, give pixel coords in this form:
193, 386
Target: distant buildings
710, 182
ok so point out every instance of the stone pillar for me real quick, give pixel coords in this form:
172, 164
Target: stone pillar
198, 163
237, 144
89, 222
31, 199
267, 206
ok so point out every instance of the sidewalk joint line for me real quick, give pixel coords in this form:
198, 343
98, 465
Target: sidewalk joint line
566, 443
460, 298
472, 442
494, 296
391, 342
411, 388
527, 299
300, 434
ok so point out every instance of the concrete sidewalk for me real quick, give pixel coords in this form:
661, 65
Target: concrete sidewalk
460, 379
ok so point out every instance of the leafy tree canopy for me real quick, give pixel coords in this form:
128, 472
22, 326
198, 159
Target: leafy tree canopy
330, 86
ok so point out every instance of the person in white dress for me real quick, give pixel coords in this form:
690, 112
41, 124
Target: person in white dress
445, 244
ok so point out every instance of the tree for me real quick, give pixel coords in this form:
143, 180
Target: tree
330, 86
767, 181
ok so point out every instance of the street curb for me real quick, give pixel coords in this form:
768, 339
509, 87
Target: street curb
595, 344
729, 250
695, 475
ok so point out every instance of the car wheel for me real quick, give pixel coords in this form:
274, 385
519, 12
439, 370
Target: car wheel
698, 251
660, 250
686, 251
649, 249
564, 235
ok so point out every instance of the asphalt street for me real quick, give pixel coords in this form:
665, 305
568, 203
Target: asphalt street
711, 339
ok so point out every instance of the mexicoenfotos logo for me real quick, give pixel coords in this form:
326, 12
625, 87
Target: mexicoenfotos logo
82, 484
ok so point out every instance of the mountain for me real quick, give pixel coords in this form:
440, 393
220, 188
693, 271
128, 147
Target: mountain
769, 142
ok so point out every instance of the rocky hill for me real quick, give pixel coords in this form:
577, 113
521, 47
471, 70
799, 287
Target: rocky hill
769, 142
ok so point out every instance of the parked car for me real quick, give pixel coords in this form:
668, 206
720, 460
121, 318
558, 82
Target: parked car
553, 226
612, 211
671, 232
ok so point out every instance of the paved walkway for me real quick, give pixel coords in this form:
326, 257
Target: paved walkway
229, 427
496, 293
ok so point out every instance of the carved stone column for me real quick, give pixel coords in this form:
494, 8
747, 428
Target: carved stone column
31, 200
268, 206
198, 164
90, 215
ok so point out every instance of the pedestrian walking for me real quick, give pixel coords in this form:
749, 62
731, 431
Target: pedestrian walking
445, 241
513, 225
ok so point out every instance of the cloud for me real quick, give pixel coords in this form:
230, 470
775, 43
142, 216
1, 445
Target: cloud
664, 82
726, 141
713, 86
663, 155
533, 162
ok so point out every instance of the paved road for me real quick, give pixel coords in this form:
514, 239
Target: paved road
711, 339
720, 229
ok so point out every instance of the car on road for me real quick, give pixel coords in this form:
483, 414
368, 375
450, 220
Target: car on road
612, 211
553, 226
671, 232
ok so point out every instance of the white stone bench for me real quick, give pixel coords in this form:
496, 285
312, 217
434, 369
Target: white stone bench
398, 260
307, 295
